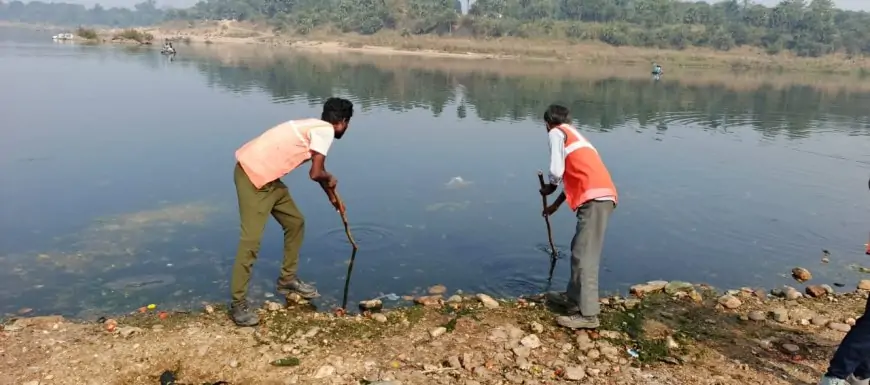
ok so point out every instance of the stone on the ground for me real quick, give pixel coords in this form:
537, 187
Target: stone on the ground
324, 371
456, 298
575, 373
523, 364
272, 306
234, 364
487, 301
128, 331
372, 304
531, 341
757, 315
864, 284
437, 289
429, 300
40, 322
311, 333
791, 348
816, 291
209, 309
584, 343
522, 351
792, 294
468, 361
675, 287
631, 303
671, 343
536, 327
649, 287
453, 362
800, 313
608, 350
840, 327
593, 354
850, 321
514, 333
729, 301
34, 382
819, 321
801, 275
379, 317
437, 332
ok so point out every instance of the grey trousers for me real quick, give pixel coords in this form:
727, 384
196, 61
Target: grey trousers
586, 248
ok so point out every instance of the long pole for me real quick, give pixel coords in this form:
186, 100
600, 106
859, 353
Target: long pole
344, 221
553, 251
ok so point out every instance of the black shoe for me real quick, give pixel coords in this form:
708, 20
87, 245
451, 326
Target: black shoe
242, 315
296, 286
560, 299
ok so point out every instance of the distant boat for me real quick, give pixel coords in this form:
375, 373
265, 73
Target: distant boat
63, 36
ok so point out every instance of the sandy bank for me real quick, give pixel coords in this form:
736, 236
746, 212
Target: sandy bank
390, 43
667, 333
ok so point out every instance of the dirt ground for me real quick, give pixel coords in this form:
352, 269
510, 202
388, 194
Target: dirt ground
675, 334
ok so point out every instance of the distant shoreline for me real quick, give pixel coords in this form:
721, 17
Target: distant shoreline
517, 49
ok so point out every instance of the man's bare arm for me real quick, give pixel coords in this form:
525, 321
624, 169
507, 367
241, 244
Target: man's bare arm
319, 174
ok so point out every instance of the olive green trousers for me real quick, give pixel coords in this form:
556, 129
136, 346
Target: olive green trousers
255, 206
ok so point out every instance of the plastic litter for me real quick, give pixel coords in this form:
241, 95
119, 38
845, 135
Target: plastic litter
632, 353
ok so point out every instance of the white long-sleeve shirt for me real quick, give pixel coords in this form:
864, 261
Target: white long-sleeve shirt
557, 159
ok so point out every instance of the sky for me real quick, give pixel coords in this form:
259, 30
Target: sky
856, 5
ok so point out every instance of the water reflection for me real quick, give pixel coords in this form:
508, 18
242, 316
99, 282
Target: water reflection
730, 180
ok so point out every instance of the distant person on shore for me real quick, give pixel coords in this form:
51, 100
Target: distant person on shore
261, 164
851, 362
591, 194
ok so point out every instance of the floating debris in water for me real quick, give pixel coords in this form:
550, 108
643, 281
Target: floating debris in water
457, 182
141, 282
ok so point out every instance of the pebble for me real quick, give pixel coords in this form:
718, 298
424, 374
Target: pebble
864, 284
819, 321
671, 343
234, 364
523, 364
839, 327
593, 354
157, 328
757, 315
575, 373
780, 315
791, 348
536, 327
453, 362
675, 287
487, 301
128, 331
273, 306
379, 317
729, 301
438, 289
431, 300
456, 298
801, 275
209, 309
522, 351
792, 294
851, 321
531, 341
437, 332
324, 371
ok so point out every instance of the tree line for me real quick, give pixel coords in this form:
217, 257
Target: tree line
807, 28
65, 14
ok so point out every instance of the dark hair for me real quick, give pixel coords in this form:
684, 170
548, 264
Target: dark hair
336, 110
557, 114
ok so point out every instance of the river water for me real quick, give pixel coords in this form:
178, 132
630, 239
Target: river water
116, 175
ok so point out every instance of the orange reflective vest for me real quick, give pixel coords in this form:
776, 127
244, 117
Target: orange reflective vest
586, 178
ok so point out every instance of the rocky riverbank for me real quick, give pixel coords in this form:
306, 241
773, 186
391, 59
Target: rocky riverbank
665, 333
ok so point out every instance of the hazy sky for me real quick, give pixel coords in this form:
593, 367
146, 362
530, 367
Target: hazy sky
847, 4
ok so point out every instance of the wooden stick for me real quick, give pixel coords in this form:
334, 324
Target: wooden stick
347, 279
344, 221
547, 218
553, 252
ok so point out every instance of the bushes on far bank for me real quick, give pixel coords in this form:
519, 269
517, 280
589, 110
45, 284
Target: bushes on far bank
87, 33
135, 35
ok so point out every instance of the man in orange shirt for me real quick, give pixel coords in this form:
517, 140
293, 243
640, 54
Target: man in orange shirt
590, 192
261, 164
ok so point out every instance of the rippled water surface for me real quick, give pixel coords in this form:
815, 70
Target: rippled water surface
116, 175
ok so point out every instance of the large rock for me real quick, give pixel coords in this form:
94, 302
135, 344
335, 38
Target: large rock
864, 284
649, 287
675, 287
801, 275
757, 315
816, 291
729, 301
839, 327
487, 301
437, 290
429, 300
